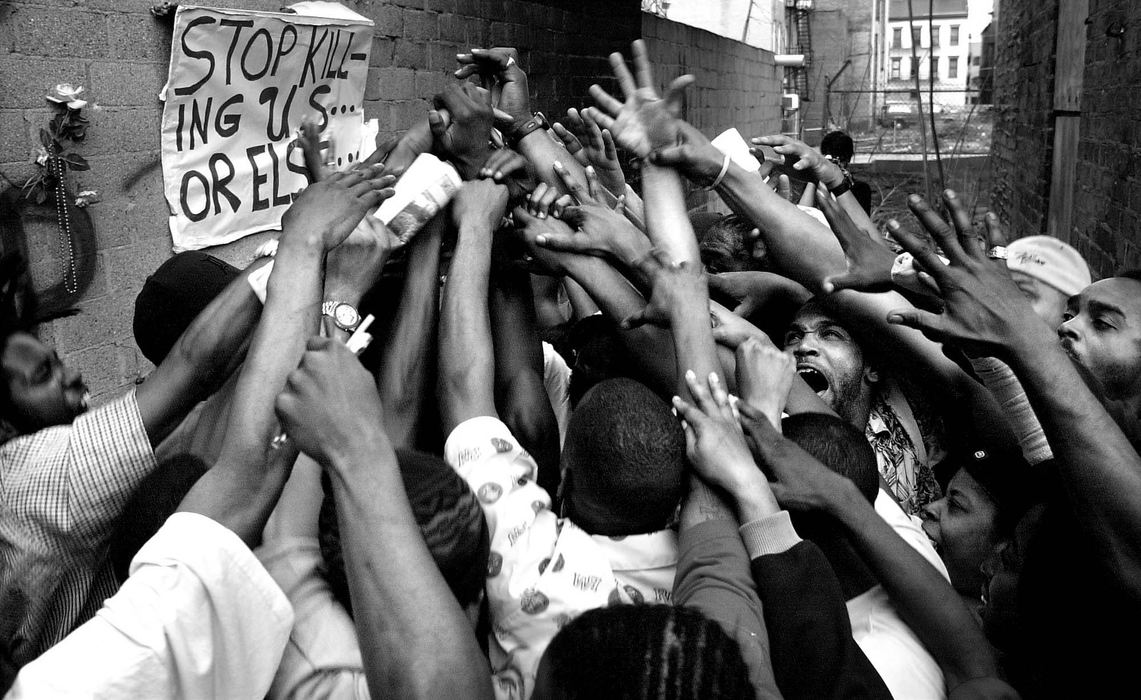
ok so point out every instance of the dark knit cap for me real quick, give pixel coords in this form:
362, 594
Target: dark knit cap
173, 297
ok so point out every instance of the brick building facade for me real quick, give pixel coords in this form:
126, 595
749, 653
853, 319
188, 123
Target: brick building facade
119, 51
1105, 225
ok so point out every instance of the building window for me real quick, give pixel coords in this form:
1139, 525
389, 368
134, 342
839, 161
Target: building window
954, 35
897, 38
974, 60
916, 34
934, 35
914, 68
934, 68
895, 75
953, 67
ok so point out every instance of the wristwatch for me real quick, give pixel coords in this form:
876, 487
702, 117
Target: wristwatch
344, 315
537, 121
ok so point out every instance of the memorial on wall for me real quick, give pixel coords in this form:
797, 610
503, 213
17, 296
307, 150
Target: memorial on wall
240, 85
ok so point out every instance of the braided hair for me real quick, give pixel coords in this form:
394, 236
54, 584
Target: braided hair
644, 652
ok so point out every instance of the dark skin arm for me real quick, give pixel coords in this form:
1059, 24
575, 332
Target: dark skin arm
241, 489
407, 360
466, 359
520, 394
333, 412
924, 599
985, 314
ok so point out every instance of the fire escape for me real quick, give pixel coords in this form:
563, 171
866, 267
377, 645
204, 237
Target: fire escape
799, 14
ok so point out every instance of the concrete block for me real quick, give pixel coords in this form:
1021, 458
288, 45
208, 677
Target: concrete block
25, 80
420, 25
389, 20
410, 54
118, 130
17, 138
396, 83
50, 32
138, 36
114, 83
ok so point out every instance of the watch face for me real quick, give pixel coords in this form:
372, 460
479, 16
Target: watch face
346, 316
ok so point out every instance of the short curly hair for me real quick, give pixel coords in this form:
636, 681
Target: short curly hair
639, 652
625, 452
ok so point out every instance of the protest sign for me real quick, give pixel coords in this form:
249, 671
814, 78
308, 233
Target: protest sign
239, 87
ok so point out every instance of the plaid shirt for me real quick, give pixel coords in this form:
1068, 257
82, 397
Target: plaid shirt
62, 490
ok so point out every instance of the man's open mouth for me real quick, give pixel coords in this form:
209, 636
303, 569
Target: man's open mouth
813, 378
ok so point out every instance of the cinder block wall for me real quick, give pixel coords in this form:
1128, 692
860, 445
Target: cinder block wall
120, 53
1106, 226
1023, 126
737, 84
1107, 205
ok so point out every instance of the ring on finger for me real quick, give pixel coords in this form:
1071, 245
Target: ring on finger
997, 252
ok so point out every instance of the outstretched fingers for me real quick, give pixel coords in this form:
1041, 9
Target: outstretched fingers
921, 249
608, 105
838, 220
931, 325
622, 74
642, 65
675, 93
943, 234
962, 222
995, 236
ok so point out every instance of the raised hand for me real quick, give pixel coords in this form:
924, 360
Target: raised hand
801, 160
418, 139
801, 482
754, 290
600, 230
481, 203
466, 138
729, 329
502, 163
764, 376
333, 207
672, 284
984, 313
502, 75
692, 154
329, 404
869, 263
541, 260
644, 121
597, 149
571, 143
714, 441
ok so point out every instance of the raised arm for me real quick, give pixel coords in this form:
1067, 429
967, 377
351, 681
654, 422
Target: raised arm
520, 393
643, 123
241, 489
924, 598
406, 360
332, 410
985, 314
467, 363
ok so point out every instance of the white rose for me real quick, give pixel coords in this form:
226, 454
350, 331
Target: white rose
68, 94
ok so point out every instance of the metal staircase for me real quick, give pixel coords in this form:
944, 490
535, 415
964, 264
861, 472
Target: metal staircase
799, 13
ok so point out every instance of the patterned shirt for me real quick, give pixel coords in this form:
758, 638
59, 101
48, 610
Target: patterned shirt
61, 491
543, 571
903, 463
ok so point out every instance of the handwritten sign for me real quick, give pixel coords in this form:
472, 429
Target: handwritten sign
239, 86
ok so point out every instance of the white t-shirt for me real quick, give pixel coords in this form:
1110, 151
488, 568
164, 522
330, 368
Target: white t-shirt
907, 668
543, 571
198, 618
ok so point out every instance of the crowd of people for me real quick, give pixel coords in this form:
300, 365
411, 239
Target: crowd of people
601, 446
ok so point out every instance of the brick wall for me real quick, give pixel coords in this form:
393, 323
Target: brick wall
120, 53
1023, 128
737, 84
1106, 226
1107, 207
